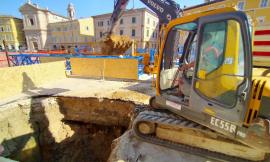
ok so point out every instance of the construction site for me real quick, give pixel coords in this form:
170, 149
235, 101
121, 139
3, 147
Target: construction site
202, 95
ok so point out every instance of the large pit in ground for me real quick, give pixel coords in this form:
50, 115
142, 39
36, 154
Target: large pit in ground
62, 129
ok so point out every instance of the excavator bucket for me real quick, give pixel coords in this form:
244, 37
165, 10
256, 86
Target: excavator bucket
115, 45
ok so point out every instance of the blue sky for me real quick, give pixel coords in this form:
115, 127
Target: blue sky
84, 8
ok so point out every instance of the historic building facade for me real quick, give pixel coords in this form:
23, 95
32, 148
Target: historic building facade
35, 24
139, 24
67, 34
11, 31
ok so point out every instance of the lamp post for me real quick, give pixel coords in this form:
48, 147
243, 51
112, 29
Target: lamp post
6, 52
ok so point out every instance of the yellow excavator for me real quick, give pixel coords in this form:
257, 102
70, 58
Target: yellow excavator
210, 101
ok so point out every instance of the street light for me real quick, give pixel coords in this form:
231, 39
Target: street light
6, 52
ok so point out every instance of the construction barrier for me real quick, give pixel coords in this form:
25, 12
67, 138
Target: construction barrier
21, 79
120, 67
126, 67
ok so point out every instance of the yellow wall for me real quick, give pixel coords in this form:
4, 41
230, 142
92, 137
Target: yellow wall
84, 23
251, 7
19, 79
109, 68
16, 31
254, 11
71, 33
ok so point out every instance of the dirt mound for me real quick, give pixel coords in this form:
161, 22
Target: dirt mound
115, 45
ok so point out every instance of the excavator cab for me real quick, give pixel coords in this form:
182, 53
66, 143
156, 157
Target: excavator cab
210, 82
204, 90
213, 73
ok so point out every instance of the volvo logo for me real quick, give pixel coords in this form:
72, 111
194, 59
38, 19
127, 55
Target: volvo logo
156, 6
169, 17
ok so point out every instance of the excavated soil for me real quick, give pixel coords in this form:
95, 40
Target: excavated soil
89, 143
115, 45
63, 129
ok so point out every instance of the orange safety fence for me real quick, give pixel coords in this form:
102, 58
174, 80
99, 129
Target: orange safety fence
48, 52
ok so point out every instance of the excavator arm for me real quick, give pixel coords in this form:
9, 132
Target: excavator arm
166, 10
119, 8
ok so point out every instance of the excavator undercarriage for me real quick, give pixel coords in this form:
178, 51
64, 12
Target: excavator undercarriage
166, 129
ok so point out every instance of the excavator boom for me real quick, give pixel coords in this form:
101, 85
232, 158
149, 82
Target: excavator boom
166, 10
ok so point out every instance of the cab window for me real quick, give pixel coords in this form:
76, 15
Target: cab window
172, 52
220, 70
212, 46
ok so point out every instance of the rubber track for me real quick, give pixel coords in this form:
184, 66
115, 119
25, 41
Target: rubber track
171, 119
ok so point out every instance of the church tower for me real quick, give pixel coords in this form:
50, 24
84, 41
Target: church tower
71, 11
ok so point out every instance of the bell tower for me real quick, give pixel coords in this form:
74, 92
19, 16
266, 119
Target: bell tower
71, 11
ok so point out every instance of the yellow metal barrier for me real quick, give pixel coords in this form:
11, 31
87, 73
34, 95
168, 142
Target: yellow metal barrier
105, 67
19, 79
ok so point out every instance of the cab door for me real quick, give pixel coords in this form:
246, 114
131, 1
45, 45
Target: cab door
223, 69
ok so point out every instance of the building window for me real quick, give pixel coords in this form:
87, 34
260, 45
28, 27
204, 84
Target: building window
31, 20
148, 20
147, 32
58, 29
133, 20
133, 33
153, 35
3, 37
121, 21
241, 5
261, 19
1, 29
100, 23
121, 32
154, 23
8, 28
264, 3
108, 22
100, 34
10, 37
12, 47
35, 45
87, 28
